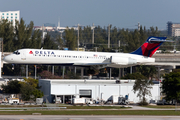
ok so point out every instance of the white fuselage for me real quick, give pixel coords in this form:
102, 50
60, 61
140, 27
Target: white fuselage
81, 58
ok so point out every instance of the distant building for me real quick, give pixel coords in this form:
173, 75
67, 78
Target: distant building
49, 25
38, 27
11, 16
49, 28
173, 29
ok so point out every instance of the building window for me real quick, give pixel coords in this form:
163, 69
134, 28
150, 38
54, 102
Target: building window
11, 17
7, 13
11, 13
16, 17
16, 14
2, 16
7, 17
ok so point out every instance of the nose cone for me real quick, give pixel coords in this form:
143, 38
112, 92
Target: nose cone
8, 59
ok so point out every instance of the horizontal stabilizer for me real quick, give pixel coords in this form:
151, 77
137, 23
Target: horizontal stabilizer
158, 41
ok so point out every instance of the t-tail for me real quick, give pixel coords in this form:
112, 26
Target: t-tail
150, 46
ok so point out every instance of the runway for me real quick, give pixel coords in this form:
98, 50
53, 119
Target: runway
85, 117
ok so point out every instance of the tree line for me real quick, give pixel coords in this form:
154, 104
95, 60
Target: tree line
130, 40
23, 36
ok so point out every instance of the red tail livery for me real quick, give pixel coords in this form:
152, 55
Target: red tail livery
150, 46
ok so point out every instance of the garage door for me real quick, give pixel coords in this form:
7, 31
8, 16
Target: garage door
85, 93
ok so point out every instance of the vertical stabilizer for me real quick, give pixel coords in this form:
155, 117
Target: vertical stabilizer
150, 46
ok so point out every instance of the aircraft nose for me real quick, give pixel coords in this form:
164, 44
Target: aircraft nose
7, 59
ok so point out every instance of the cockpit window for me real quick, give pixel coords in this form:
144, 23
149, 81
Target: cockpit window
16, 52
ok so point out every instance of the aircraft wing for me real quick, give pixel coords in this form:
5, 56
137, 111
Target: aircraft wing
114, 62
89, 64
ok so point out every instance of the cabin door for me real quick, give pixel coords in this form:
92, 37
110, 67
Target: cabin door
23, 55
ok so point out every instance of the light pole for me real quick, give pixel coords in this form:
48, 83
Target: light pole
101, 98
1, 39
78, 37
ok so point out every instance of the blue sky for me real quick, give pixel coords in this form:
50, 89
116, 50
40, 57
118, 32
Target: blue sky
119, 13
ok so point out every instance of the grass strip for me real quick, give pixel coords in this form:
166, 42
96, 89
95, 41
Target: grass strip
23, 106
95, 107
161, 106
68, 107
107, 112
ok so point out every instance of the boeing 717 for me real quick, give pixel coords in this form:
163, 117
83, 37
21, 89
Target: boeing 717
83, 58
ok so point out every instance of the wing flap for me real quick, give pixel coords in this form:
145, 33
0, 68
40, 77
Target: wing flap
88, 64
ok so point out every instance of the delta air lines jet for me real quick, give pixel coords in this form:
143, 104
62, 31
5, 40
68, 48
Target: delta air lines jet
81, 58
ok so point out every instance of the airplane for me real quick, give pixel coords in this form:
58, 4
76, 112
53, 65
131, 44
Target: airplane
84, 58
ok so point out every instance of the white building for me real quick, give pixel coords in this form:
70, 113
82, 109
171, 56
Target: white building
11, 16
95, 89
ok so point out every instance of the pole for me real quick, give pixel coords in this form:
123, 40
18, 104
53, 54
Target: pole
1, 53
138, 26
109, 36
119, 73
122, 72
53, 69
110, 74
95, 49
26, 71
35, 71
78, 37
119, 44
158, 73
131, 70
0, 65
63, 71
1, 39
82, 72
42, 34
75, 71
93, 34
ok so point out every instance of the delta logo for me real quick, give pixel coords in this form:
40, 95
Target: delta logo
30, 52
42, 52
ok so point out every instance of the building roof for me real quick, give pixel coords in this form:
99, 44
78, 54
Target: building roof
87, 81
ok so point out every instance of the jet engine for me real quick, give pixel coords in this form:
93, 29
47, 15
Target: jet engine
123, 60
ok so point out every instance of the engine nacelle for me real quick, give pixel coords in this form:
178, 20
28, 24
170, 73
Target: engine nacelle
123, 60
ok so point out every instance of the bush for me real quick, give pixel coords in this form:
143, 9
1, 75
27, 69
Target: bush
143, 103
48, 75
